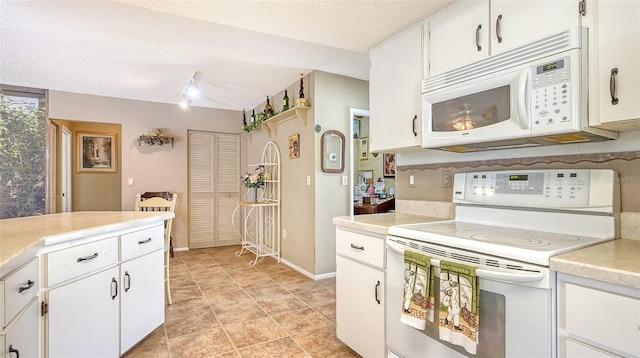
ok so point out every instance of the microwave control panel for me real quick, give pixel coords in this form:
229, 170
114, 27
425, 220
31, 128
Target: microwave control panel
575, 188
551, 93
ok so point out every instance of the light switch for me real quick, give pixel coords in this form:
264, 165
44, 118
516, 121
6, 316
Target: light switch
412, 180
308, 179
130, 182
345, 180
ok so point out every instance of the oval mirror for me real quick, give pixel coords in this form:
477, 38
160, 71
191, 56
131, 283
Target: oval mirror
332, 152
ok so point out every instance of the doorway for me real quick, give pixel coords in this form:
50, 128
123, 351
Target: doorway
65, 171
370, 171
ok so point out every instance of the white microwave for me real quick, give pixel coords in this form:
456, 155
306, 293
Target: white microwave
533, 95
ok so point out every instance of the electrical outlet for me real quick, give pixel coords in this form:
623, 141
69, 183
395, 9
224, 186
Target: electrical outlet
345, 180
284, 233
446, 179
308, 179
412, 180
130, 182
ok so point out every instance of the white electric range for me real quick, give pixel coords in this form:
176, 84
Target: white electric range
508, 224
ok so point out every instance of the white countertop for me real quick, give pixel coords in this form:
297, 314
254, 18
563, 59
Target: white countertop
21, 238
380, 223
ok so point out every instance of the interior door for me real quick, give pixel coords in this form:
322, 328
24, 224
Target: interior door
214, 188
65, 171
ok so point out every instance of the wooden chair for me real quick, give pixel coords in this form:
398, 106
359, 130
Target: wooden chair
163, 201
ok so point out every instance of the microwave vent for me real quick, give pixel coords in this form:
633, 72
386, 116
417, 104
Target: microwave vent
567, 138
563, 41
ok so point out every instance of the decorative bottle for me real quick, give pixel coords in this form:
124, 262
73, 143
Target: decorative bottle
301, 100
253, 116
285, 101
268, 109
244, 118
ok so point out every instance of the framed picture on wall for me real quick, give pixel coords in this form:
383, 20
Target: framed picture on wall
97, 152
389, 165
364, 148
294, 146
356, 128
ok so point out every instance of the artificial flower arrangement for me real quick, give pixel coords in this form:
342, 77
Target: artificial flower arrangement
257, 178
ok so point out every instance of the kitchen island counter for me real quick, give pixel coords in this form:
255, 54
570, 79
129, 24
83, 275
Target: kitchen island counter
22, 238
615, 262
380, 223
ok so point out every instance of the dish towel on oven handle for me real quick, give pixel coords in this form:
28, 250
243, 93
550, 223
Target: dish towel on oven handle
459, 305
418, 299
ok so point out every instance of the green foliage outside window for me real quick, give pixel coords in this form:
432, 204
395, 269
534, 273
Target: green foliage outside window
22, 156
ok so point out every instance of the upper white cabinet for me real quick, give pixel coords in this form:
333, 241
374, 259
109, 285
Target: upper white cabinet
614, 58
458, 35
470, 30
395, 74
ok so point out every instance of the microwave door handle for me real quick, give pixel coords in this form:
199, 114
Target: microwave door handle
523, 99
483, 273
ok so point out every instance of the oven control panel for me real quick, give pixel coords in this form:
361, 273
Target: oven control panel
549, 188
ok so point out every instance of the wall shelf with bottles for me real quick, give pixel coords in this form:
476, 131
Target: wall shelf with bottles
270, 126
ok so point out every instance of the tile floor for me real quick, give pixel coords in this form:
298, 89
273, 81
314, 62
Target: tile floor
222, 307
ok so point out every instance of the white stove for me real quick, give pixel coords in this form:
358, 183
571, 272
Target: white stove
528, 216
508, 225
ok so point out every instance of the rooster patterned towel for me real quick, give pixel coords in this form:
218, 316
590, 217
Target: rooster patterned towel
459, 305
417, 306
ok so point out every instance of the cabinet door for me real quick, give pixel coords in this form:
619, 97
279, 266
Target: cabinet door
458, 35
24, 335
615, 47
83, 317
395, 77
515, 23
360, 307
142, 298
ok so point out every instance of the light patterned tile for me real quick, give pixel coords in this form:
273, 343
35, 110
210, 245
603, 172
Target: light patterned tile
188, 317
201, 344
300, 285
155, 345
281, 304
247, 333
270, 291
317, 297
301, 320
328, 310
283, 347
322, 342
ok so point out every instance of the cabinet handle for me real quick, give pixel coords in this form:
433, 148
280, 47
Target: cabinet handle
413, 125
357, 247
28, 286
144, 241
498, 30
612, 85
478, 38
127, 281
376, 292
114, 288
13, 350
80, 259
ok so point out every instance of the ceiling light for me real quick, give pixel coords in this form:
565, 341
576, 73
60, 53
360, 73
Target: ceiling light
190, 91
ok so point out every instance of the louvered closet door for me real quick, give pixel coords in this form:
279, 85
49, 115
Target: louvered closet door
214, 188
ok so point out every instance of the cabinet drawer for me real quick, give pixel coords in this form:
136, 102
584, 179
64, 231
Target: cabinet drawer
364, 248
19, 288
603, 317
76, 261
141, 242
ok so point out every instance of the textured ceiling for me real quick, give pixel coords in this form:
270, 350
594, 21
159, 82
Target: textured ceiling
148, 50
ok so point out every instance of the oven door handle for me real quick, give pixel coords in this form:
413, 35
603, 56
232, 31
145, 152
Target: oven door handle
483, 273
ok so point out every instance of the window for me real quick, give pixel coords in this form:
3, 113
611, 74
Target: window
22, 153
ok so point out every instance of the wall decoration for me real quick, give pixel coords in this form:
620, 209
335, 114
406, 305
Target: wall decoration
97, 152
365, 176
389, 165
364, 148
294, 146
356, 128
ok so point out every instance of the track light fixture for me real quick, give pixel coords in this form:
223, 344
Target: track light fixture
190, 92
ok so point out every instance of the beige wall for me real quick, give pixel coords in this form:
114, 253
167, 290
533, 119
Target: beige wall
308, 210
153, 168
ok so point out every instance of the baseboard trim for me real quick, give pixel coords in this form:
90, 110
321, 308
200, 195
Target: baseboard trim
307, 273
175, 249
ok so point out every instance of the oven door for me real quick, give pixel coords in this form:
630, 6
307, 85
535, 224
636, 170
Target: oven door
490, 108
516, 309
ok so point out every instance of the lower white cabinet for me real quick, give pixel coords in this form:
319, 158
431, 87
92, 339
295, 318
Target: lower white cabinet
22, 338
101, 303
83, 318
360, 287
597, 319
141, 298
